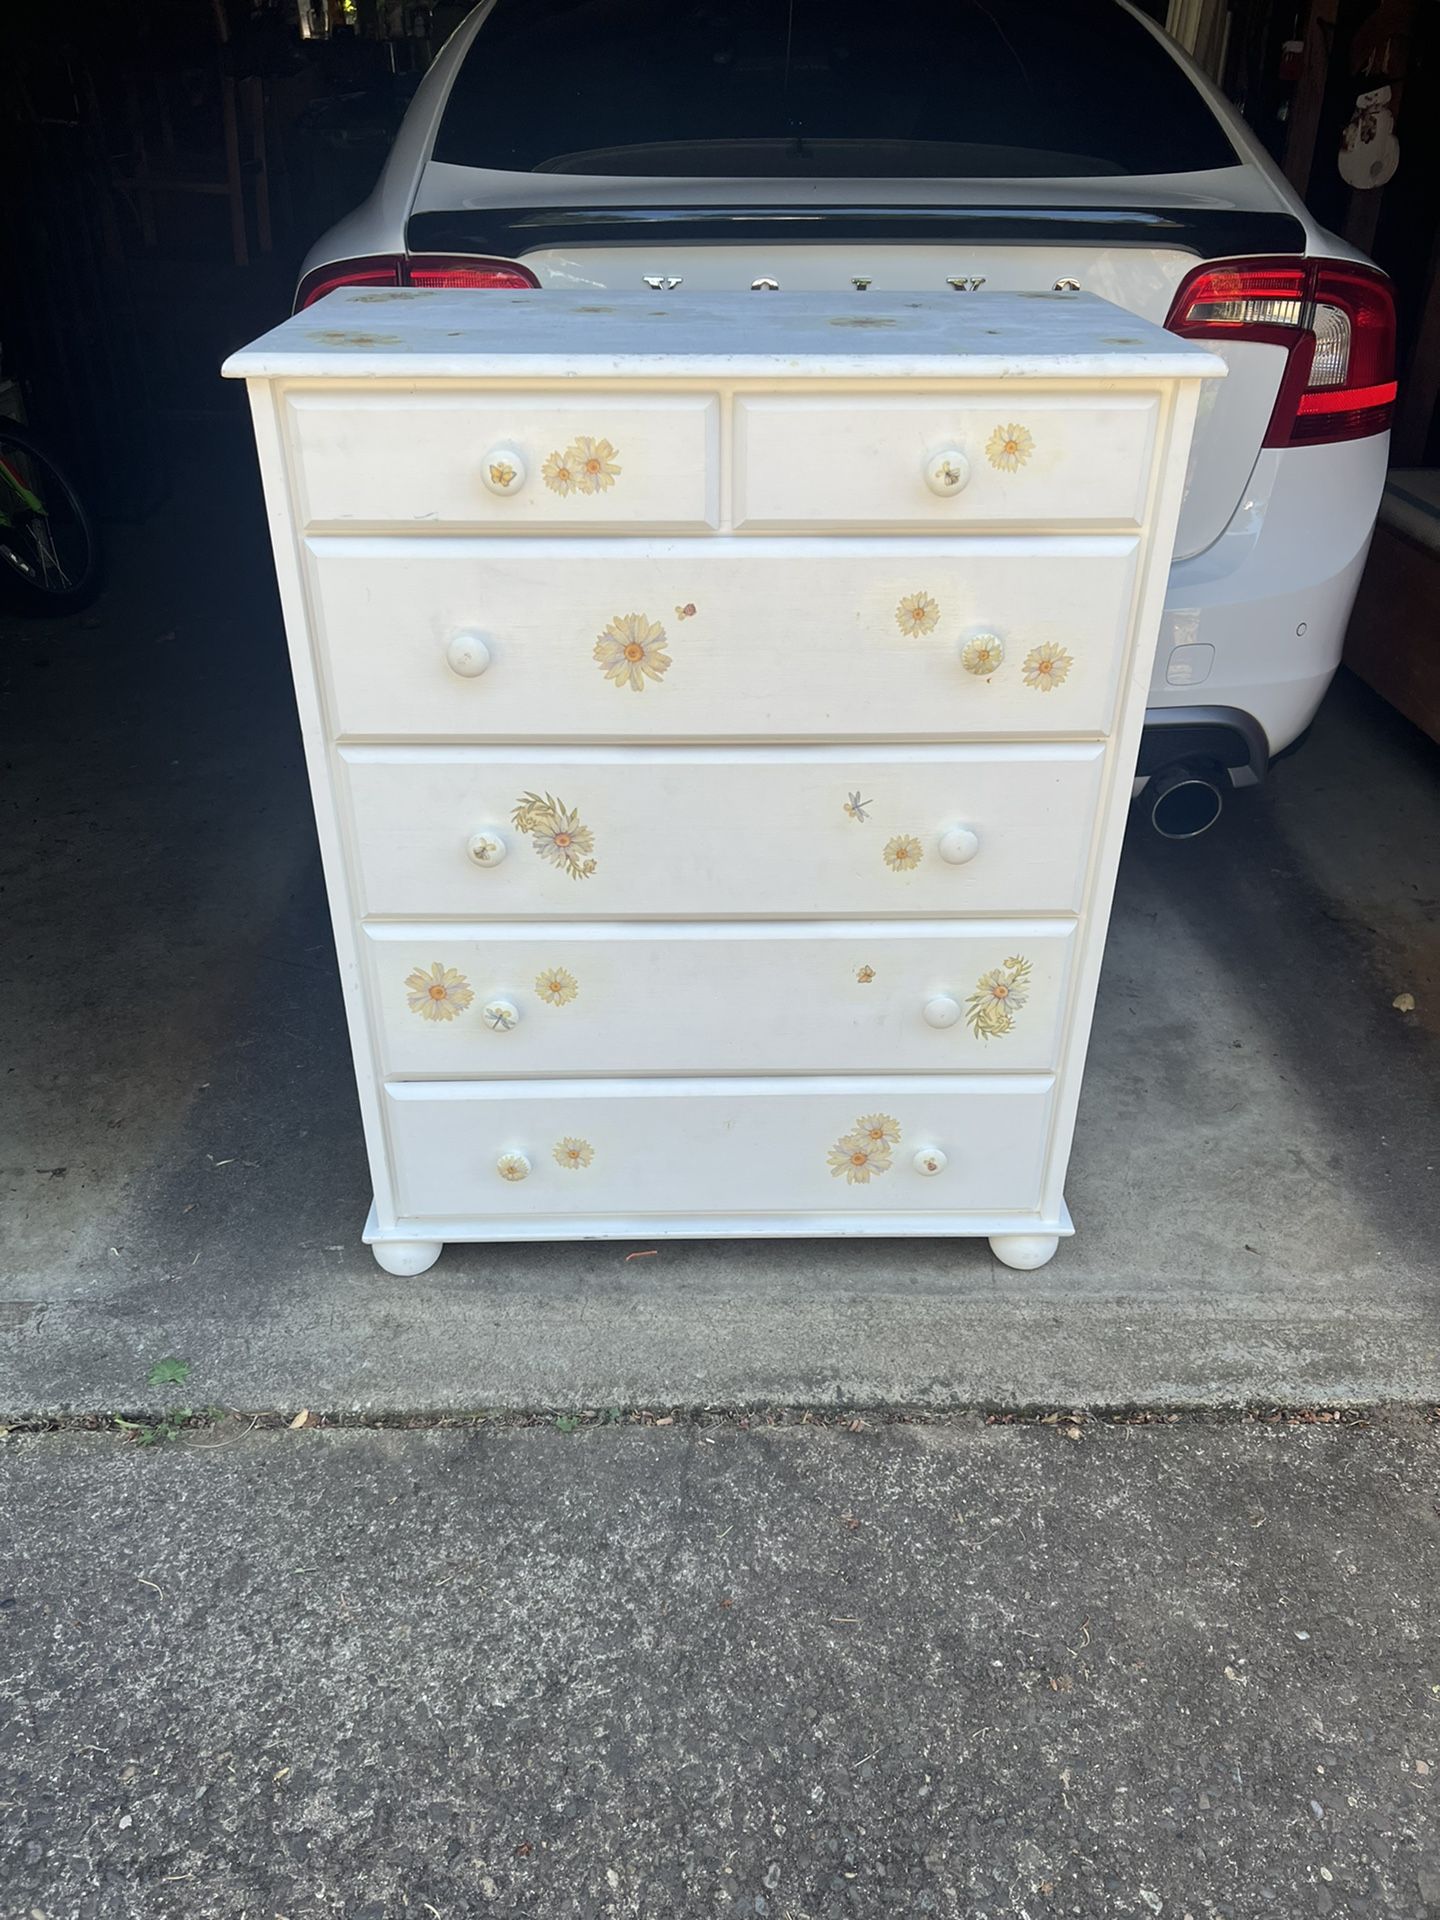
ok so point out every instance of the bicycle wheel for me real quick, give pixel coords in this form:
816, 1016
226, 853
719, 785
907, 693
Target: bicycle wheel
49, 550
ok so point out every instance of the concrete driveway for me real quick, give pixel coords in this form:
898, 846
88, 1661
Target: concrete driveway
1254, 1178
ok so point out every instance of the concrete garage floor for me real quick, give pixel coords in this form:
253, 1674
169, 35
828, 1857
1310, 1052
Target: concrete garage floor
1253, 1183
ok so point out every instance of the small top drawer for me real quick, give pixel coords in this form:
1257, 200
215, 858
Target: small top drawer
588, 463
858, 462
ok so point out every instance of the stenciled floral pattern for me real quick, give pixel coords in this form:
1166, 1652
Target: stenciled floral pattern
865, 975
631, 651
557, 833
999, 995
586, 466
917, 613
983, 654
1045, 667
594, 464
440, 994
556, 987
512, 1166
573, 1153
904, 853
1009, 447
865, 1151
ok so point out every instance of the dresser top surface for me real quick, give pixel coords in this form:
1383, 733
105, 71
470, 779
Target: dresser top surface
406, 333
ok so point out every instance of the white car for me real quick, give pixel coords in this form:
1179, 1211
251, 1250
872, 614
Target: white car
969, 144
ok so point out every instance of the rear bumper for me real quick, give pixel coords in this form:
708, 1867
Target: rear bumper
1253, 627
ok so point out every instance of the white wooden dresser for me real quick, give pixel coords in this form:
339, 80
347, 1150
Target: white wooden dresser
721, 713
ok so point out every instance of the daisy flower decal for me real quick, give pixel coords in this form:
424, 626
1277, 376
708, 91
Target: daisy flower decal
1008, 448
593, 463
556, 987
983, 654
557, 833
879, 1129
632, 650
573, 1153
857, 1160
1045, 667
559, 473
999, 995
903, 854
917, 613
440, 994
512, 1166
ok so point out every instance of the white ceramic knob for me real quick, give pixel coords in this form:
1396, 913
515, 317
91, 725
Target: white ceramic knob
959, 844
501, 1016
946, 472
503, 470
928, 1160
486, 848
467, 655
942, 1011
513, 1166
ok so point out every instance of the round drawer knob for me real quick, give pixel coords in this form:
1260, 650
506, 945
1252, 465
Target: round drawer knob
942, 1011
958, 845
946, 472
928, 1160
503, 470
501, 1016
513, 1166
467, 655
485, 848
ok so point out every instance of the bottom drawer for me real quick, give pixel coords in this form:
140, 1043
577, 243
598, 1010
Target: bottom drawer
937, 1143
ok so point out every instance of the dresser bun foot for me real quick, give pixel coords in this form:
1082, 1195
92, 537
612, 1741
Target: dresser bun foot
405, 1257
1024, 1250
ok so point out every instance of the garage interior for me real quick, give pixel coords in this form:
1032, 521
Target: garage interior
1254, 1167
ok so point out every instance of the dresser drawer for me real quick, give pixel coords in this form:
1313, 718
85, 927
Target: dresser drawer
858, 462
695, 639
834, 1146
782, 997
697, 833
509, 460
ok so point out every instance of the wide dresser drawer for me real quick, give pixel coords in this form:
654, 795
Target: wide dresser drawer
557, 1149
564, 462
679, 832
691, 639
775, 996
861, 462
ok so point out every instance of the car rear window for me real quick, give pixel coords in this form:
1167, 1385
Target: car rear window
824, 88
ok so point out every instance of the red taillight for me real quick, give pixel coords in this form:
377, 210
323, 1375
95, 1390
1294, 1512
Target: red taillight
412, 270
1335, 318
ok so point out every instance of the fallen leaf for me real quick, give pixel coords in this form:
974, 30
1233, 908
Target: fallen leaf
1404, 1003
301, 1419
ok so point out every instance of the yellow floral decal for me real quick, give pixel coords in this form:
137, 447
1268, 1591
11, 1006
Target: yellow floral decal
512, 1166
999, 995
687, 612
917, 613
440, 994
632, 650
1045, 667
865, 1151
502, 474
557, 833
1009, 448
559, 473
855, 806
865, 975
983, 654
593, 463
574, 1153
556, 987
904, 853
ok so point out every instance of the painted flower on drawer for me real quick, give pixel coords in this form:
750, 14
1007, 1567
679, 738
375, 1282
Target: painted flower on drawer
556, 987
573, 1154
903, 854
559, 472
917, 613
865, 1151
557, 833
1009, 447
983, 654
595, 464
1045, 667
632, 650
999, 995
440, 994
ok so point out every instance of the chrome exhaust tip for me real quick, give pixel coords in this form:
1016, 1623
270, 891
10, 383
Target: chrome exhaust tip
1184, 801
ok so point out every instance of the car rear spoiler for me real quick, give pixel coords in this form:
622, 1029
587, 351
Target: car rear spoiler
1211, 233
